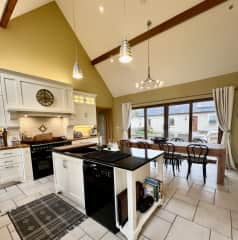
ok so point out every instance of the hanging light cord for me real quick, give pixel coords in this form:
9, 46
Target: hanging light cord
125, 16
74, 28
148, 48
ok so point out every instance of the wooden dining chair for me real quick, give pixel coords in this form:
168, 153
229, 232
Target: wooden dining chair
169, 155
197, 153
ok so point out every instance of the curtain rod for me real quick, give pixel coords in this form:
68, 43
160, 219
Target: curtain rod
170, 99
204, 95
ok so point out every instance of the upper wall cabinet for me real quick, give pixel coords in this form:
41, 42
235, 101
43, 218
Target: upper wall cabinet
84, 109
25, 94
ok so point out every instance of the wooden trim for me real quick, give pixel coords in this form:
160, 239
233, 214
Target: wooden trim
172, 22
10, 6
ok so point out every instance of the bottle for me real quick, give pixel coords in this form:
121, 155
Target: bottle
4, 136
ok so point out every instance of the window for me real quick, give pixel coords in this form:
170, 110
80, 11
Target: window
138, 123
205, 128
178, 125
191, 121
155, 122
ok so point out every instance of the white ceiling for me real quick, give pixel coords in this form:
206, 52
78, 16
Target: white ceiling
2, 7
202, 47
24, 6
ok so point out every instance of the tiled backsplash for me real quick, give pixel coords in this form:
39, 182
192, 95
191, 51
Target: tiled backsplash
30, 126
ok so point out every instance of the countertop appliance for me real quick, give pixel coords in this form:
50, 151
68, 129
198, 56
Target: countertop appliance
41, 156
99, 194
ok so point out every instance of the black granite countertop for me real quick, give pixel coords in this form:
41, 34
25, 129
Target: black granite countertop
137, 158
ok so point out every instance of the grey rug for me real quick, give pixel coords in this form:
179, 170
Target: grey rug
47, 218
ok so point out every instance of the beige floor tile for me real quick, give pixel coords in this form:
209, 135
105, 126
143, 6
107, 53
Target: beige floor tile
186, 230
15, 235
109, 236
226, 200
86, 237
4, 234
181, 208
11, 227
165, 215
186, 198
77, 232
203, 194
6, 206
218, 236
69, 236
235, 234
93, 229
218, 219
156, 229
234, 217
4, 221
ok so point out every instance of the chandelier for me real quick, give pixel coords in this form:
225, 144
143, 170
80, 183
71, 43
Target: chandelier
149, 82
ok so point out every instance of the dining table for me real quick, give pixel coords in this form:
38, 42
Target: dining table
214, 150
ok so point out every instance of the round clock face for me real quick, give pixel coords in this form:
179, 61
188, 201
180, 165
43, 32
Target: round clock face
45, 97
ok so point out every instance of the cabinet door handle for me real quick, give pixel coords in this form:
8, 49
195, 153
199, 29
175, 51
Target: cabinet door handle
7, 154
64, 164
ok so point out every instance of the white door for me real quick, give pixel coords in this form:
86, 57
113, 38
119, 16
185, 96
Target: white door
60, 174
75, 180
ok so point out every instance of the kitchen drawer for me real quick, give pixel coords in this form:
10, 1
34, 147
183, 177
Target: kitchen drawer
10, 160
11, 173
10, 153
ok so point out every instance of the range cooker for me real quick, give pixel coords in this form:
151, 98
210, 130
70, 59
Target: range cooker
41, 156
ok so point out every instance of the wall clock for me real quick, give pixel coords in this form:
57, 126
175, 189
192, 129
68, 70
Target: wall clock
45, 97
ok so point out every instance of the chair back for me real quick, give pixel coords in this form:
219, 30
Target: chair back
197, 153
169, 149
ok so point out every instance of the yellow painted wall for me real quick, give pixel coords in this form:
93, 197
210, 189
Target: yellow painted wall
193, 90
41, 43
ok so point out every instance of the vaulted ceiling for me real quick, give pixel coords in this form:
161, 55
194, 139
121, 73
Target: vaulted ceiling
202, 47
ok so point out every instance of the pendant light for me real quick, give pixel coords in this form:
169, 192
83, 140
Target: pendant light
148, 83
77, 72
125, 50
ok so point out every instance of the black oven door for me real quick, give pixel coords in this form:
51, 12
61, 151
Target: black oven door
42, 163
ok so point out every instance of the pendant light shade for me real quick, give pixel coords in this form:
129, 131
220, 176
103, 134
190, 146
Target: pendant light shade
77, 72
125, 49
125, 52
149, 82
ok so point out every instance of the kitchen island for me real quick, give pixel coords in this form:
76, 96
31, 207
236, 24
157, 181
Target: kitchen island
80, 171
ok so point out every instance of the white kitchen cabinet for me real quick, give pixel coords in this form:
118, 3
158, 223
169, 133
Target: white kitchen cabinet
68, 173
19, 92
2, 113
11, 166
84, 109
28, 171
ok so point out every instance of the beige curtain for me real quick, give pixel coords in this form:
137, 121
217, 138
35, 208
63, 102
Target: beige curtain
224, 101
126, 119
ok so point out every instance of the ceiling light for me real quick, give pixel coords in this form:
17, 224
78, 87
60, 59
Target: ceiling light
125, 49
148, 83
125, 52
101, 9
111, 60
77, 71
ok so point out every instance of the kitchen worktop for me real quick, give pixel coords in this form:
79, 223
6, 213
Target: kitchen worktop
14, 146
82, 138
137, 158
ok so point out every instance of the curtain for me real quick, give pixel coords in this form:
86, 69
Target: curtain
126, 119
224, 101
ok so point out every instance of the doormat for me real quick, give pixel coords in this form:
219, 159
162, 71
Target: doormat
47, 218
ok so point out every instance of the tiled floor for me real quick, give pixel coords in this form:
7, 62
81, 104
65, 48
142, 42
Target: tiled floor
191, 210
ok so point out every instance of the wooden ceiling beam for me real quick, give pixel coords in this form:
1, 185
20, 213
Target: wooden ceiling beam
7, 13
172, 22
